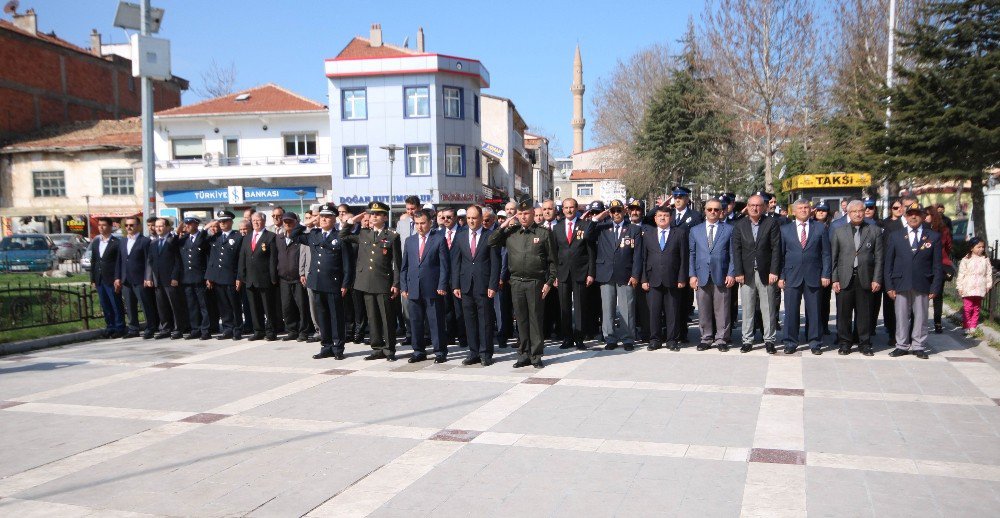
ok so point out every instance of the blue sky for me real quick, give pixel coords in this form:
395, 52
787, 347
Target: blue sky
526, 45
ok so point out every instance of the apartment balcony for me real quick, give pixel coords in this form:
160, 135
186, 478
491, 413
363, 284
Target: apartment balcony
214, 167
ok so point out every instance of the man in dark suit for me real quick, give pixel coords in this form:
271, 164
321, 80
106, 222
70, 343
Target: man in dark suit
756, 263
711, 269
105, 272
857, 251
913, 277
618, 258
454, 327
259, 274
550, 321
475, 276
806, 252
331, 275
423, 279
685, 216
294, 298
503, 303
164, 275
895, 222
574, 272
221, 273
194, 260
664, 275
132, 279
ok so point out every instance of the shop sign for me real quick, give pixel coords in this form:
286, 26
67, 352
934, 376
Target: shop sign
825, 181
496, 151
397, 199
246, 194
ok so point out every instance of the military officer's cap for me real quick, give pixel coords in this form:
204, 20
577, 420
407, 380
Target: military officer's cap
377, 206
616, 205
765, 195
429, 206
869, 203
224, 214
823, 207
290, 216
634, 204
680, 190
597, 206
502, 214
192, 219
327, 209
725, 199
914, 207
525, 203
461, 213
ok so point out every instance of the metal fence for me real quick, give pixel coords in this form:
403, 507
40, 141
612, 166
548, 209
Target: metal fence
25, 305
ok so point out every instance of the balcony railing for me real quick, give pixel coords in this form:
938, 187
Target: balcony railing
218, 160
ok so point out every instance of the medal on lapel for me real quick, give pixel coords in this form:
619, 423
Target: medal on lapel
535, 240
263, 247
232, 241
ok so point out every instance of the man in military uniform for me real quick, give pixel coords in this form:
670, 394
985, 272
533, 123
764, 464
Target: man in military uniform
220, 275
194, 257
377, 276
330, 276
531, 256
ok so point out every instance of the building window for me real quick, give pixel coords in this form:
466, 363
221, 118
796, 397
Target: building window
355, 103
475, 108
585, 189
118, 182
454, 160
356, 162
479, 165
188, 148
558, 192
49, 184
453, 102
300, 144
418, 160
417, 101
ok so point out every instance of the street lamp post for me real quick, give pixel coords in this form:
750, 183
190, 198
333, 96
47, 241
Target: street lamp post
302, 208
391, 148
86, 226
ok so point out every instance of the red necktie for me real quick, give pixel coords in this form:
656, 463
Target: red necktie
472, 244
420, 253
449, 239
569, 232
253, 244
802, 235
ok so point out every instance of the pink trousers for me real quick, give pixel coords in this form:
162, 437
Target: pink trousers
970, 311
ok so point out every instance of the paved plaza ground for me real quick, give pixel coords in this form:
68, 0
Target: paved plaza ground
222, 428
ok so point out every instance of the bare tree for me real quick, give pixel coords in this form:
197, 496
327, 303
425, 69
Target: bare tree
217, 80
756, 53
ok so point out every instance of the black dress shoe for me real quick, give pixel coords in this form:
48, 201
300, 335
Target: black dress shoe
471, 361
746, 348
937, 329
322, 354
131, 334
790, 349
844, 351
312, 339
237, 336
580, 346
440, 359
610, 347
416, 358
501, 344
390, 357
867, 351
816, 350
148, 336
770, 348
271, 338
224, 336
676, 346
338, 356
538, 364
289, 338
704, 346
374, 356
629, 347
192, 336
566, 345
487, 362
406, 341
301, 338
920, 354
206, 336
521, 363
896, 353
256, 336
652, 346
161, 336
177, 336
724, 347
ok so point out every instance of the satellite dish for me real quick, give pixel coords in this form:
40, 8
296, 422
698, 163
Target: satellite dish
406, 42
11, 7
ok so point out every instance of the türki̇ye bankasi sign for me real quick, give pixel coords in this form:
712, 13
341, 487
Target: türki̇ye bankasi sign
826, 181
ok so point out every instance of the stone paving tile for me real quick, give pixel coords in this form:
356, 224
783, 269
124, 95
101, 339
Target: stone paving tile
406, 402
39, 374
178, 389
137, 349
709, 368
885, 376
659, 416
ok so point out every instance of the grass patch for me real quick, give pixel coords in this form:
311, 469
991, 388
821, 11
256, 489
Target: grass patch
32, 333
7, 279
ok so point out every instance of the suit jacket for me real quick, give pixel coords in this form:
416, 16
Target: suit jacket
224, 258
710, 263
132, 266
378, 258
104, 269
194, 256
259, 266
906, 269
617, 258
688, 221
665, 267
474, 274
420, 277
331, 265
289, 255
870, 255
805, 265
764, 251
572, 258
164, 260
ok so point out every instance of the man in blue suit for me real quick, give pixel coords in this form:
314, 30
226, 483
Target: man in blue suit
423, 280
164, 275
132, 277
105, 271
711, 270
475, 277
807, 267
913, 275
618, 254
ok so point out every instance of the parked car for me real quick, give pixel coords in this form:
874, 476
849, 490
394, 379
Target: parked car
71, 246
28, 253
85, 260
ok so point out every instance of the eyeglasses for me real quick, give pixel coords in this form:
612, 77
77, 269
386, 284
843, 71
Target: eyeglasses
896, 207
712, 209
447, 217
130, 224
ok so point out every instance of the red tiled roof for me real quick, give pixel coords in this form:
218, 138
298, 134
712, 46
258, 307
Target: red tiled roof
107, 134
48, 38
263, 99
596, 174
361, 48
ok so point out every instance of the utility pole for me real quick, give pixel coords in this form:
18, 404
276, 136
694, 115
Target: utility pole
890, 61
148, 167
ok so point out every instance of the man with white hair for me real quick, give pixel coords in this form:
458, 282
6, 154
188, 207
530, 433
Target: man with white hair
857, 252
806, 249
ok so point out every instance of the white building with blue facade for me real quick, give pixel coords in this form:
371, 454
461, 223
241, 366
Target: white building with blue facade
427, 104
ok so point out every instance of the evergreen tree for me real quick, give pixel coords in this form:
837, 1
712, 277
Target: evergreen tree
945, 120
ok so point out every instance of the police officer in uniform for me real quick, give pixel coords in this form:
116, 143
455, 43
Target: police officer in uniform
331, 271
194, 257
377, 276
531, 256
220, 275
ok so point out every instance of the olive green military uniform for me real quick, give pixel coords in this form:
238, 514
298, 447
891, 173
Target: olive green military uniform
531, 259
376, 273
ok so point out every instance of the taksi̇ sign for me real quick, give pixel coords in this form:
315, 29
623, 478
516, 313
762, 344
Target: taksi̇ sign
825, 181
